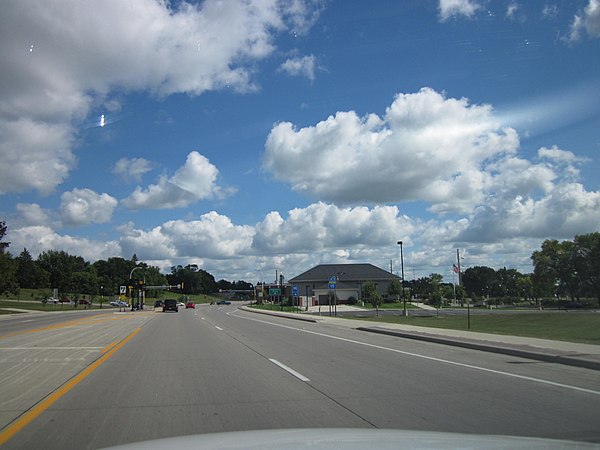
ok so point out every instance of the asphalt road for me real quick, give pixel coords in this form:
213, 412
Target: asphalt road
145, 375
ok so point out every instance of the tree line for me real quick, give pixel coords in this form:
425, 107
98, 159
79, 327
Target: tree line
567, 270
564, 272
72, 274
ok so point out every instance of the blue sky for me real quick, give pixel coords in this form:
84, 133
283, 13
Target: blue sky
248, 137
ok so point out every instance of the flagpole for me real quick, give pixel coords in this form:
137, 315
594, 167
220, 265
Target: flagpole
459, 274
459, 284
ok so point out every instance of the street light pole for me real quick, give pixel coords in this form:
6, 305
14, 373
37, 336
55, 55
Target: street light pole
130, 283
402, 272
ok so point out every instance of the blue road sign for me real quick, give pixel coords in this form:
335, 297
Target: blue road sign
294, 291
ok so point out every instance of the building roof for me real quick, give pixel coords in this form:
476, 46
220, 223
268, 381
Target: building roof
348, 272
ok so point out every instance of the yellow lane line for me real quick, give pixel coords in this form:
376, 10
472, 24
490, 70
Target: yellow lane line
38, 409
109, 346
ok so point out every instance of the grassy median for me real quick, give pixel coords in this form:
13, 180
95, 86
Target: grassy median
568, 326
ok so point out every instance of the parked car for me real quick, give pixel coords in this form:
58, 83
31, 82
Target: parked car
223, 302
52, 300
170, 305
189, 305
158, 304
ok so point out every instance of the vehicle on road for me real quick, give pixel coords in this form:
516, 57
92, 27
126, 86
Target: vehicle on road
158, 304
119, 304
223, 302
170, 305
189, 305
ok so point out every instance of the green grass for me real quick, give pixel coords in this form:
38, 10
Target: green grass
33, 305
583, 327
394, 305
272, 307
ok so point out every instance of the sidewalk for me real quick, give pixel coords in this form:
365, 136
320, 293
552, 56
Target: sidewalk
561, 352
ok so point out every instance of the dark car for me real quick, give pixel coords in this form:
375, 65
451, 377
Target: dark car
223, 302
170, 305
158, 304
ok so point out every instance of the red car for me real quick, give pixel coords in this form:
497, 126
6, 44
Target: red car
190, 305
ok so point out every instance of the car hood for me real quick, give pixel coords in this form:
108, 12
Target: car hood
342, 438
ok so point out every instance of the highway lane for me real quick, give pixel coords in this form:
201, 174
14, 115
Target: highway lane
217, 369
41, 352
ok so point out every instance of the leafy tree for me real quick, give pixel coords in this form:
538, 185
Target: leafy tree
8, 266
587, 262
3, 229
395, 290
479, 281
371, 294
29, 274
8, 274
554, 268
112, 273
61, 268
195, 281
436, 297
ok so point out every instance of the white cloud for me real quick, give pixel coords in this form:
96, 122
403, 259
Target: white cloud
194, 181
35, 154
59, 59
84, 206
300, 66
512, 9
550, 11
213, 236
33, 214
503, 231
587, 21
565, 212
426, 147
530, 200
151, 244
37, 239
453, 8
322, 226
132, 168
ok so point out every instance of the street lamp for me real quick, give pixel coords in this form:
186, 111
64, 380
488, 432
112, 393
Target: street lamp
402, 271
130, 283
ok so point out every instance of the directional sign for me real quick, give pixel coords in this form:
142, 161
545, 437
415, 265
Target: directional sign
274, 291
332, 282
294, 291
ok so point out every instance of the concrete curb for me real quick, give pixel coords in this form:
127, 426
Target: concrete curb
520, 351
279, 314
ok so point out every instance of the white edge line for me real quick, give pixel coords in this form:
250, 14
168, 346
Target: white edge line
219, 328
431, 358
289, 370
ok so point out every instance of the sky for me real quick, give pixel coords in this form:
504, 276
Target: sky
250, 137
